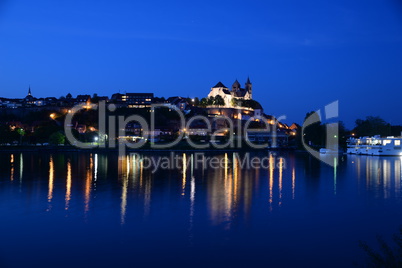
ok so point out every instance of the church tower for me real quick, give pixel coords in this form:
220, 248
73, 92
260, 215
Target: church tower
236, 86
249, 87
29, 98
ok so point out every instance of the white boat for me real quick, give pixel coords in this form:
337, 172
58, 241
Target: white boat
390, 146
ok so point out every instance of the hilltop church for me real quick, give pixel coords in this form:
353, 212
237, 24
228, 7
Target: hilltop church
235, 93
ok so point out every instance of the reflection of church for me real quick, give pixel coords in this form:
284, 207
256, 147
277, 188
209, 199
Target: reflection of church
235, 93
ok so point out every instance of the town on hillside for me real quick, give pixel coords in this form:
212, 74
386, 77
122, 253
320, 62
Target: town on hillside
40, 121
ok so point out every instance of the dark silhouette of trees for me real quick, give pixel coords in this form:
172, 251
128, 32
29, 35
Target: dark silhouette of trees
246, 103
203, 102
7, 135
316, 134
57, 138
219, 100
372, 125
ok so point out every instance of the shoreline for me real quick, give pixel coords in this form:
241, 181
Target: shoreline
13, 149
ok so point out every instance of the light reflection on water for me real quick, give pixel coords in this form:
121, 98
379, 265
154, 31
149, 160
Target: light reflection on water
68, 184
51, 182
382, 175
257, 206
225, 186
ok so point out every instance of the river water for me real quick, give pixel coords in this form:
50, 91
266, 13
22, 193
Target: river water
175, 209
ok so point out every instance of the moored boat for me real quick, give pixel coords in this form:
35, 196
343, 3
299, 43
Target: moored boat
376, 145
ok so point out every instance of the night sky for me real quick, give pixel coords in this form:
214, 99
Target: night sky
300, 55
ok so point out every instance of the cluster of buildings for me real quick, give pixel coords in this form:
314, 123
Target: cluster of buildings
229, 109
132, 100
129, 100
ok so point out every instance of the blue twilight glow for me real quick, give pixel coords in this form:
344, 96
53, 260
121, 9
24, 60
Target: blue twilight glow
300, 55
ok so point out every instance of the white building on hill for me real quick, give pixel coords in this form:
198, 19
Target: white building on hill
236, 92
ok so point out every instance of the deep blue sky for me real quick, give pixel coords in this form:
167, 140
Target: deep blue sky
300, 55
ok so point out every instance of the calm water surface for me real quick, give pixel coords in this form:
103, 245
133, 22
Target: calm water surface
101, 210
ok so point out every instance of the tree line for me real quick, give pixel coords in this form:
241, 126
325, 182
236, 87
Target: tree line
315, 134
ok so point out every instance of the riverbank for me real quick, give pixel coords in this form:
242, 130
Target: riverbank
49, 148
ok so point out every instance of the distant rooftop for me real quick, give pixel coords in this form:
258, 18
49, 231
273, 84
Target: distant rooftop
219, 85
139, 94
